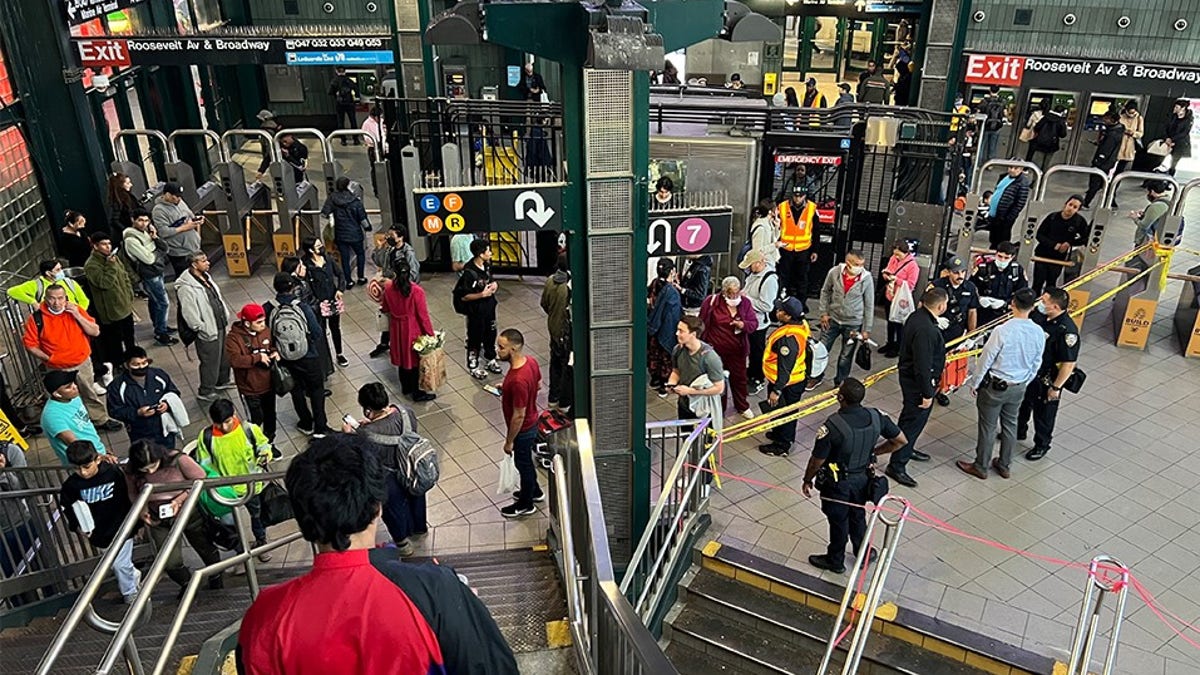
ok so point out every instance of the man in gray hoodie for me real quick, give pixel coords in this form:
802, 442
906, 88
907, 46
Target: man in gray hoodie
847, 310
204, 319
177, 226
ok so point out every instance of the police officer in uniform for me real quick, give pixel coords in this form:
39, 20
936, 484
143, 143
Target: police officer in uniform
1058, 362
786, 362
922, 359
962, 305
997, 281
844, 455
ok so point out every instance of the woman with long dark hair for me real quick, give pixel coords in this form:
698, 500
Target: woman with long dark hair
150, 463
1178, 133
73, 243
666, 308
408, 319
327, 285
121, 202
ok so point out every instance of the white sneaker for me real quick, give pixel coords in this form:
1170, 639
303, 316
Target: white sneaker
100, 389
747, 413
107, 378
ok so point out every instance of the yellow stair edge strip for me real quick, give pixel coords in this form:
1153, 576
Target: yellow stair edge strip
558, 634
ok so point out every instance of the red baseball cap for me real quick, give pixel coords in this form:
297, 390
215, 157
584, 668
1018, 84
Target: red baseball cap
251, 312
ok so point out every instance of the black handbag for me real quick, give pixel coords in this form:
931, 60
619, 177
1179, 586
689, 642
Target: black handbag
1075, 382
862, 357
281, 379
877, 487
276, 504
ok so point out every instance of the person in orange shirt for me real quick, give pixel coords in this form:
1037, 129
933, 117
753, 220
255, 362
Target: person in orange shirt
797, 218
57, 334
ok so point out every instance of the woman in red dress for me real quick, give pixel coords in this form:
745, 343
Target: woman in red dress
408, 319
729, 320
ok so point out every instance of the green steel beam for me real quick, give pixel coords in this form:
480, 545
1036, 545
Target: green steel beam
683, 24
640, 514
956, 50
565, 38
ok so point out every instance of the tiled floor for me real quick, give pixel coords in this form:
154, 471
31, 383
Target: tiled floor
1120, 480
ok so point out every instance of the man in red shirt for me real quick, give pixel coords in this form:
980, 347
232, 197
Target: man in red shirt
518, 399
57, 335
361, 610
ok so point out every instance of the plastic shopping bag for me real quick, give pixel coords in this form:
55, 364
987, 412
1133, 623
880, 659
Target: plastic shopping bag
510, 480
902, 304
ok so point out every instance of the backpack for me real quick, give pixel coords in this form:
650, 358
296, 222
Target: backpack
345, 91
187, 335
749, 243
206, 439
39, 321
415, 457
820, 358
289, 329
994, 111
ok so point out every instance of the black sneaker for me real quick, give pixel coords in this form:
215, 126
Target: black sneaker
822, 562
942, 399
1036, 454
537, 500
342, 360
307, 431
472, 361
515, 510
774, 450
423, 396
165, 340
379, 350
111, 425
362, 282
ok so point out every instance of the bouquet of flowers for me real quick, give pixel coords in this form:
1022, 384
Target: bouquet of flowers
427, 344
432, 369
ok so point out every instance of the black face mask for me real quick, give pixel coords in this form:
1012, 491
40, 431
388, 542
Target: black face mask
139, 372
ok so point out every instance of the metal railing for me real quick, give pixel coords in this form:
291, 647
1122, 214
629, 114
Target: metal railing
122, 642
21, 371
1084, 641
870, 600
668, 532
665, 440
35, 477
608, 635
40, 557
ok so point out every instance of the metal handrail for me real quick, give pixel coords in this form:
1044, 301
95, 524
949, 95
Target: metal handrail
125, 629
680, 494
1089, 617
887, 551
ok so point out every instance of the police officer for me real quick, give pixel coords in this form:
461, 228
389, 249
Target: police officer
786, 363
922, 359
1058, 362
997, 281
962, 305
843, 457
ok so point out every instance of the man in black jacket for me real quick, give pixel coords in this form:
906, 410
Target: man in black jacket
1007, 203
1108, 146
1055, 236
344, 91
997, 281
922, 359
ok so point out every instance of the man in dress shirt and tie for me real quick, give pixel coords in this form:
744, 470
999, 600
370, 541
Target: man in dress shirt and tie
1009, 362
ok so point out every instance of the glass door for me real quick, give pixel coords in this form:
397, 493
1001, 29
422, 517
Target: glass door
821, 44
860, 45
791, 43
1009, 98
1066, 103
1097, 105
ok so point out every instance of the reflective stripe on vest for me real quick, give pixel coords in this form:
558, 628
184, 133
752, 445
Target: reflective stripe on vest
799, 331
796, 233
858, 444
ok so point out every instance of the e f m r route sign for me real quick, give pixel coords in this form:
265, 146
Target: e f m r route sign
536, 206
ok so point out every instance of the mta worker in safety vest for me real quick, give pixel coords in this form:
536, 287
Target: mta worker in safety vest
786, 361
797, 218
841, 464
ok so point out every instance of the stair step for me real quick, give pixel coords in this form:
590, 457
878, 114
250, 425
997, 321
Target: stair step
770, 614
695, 662
735, 643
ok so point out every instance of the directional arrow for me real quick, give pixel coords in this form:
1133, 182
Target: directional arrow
540, 213
657, 228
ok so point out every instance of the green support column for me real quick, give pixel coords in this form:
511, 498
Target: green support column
59, 127
640, 514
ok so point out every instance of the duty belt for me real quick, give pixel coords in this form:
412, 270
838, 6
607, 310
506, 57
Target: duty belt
996, 383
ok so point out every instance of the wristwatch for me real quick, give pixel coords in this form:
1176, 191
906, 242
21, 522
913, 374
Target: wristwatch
1054, 388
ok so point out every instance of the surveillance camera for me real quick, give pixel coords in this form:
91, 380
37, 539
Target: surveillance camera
328, 7
979, 16
1124, 22
1181, 24
372, 7
1070, 19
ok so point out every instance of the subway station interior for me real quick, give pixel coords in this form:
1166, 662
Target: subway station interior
614, 167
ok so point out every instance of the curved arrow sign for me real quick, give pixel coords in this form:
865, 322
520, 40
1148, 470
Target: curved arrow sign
540, 213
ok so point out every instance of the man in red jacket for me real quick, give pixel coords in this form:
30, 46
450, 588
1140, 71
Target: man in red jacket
251, 353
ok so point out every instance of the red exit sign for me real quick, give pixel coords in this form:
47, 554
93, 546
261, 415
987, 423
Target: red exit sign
998, 69
103, 53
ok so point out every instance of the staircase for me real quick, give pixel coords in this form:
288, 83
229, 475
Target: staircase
521, 589
740, 615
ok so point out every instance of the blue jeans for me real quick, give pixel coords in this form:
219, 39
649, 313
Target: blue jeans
404, 514
846, 357
991, 144
345, 250
523, 458
159, 304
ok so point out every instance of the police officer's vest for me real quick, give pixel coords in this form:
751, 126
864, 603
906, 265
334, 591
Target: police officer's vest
796, 228
857, 444
799, 331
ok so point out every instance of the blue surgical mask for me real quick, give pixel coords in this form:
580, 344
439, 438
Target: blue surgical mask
1002, 264
60, 275
1040, 306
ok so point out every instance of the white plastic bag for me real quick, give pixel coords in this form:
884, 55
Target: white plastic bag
510, 480
902, 304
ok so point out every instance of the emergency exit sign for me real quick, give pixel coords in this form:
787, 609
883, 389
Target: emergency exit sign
997, 69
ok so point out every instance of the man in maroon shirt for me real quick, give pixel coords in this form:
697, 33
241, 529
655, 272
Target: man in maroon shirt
518, 399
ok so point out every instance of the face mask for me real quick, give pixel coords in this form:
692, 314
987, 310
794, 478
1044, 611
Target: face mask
855, 270
55, 312
60, 276
733, 302
139, 372
1002, 264
1040, 306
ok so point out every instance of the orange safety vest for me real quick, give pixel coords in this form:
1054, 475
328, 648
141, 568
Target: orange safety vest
796, 233
800, 331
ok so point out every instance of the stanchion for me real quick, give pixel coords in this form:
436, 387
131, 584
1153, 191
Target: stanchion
870, 602
1099, 585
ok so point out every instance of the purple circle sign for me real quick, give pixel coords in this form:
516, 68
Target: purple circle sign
693, 234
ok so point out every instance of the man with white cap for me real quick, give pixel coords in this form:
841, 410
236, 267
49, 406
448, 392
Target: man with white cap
762, 289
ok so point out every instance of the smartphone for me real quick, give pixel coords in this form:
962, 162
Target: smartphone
350, 421
166, 511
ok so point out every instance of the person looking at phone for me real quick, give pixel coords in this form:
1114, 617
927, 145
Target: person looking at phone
152, 464
177, 226
139, 399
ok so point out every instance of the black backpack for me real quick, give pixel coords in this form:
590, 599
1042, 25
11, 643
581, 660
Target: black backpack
994, 111
186, 334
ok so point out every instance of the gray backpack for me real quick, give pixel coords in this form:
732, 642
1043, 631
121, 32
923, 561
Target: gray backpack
413, 455
289, 329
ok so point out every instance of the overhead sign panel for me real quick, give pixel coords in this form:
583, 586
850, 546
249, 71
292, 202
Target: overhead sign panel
81, 11
490, 209
306, 51
689, 232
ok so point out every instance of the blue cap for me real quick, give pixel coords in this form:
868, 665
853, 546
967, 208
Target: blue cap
793, 306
